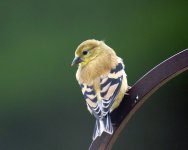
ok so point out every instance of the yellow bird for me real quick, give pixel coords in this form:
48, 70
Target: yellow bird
103, 81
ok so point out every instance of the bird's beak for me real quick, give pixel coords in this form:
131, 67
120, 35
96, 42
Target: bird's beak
76, 60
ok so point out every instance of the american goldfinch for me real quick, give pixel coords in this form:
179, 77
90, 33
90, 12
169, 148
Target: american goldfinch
103, 81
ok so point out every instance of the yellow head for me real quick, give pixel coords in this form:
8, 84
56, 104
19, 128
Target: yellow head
87, 51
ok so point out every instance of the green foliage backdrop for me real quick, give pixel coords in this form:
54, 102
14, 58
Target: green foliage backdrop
41, 106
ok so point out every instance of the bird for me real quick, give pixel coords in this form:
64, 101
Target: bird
102, 80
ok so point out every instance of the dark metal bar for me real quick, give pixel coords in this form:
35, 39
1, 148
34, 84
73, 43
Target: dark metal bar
139, 93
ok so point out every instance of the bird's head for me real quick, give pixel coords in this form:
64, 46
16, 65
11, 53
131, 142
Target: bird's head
87, 51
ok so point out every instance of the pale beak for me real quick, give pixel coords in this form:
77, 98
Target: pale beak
76, 60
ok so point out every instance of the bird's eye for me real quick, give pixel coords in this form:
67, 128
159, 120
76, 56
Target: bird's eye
84, 52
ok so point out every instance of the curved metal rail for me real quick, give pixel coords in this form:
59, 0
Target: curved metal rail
139, 93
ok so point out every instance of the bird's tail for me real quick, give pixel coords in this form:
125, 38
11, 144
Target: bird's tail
103, 125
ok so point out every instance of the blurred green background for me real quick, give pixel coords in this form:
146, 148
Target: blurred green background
41, 106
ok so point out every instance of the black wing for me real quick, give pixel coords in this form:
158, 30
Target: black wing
91, 100
110, 87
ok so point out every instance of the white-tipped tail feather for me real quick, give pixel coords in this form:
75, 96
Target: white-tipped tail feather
103, 125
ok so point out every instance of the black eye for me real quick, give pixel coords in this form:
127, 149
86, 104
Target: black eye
84, 52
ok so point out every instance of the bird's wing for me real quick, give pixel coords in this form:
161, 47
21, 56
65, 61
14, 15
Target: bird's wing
91, 100
110, 87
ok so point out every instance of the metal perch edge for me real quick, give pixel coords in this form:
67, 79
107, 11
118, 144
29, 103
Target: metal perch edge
138, 94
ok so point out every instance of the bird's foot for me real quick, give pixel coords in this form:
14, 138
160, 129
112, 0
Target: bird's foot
126, 93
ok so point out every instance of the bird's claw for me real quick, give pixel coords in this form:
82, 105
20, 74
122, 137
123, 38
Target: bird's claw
128, 88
